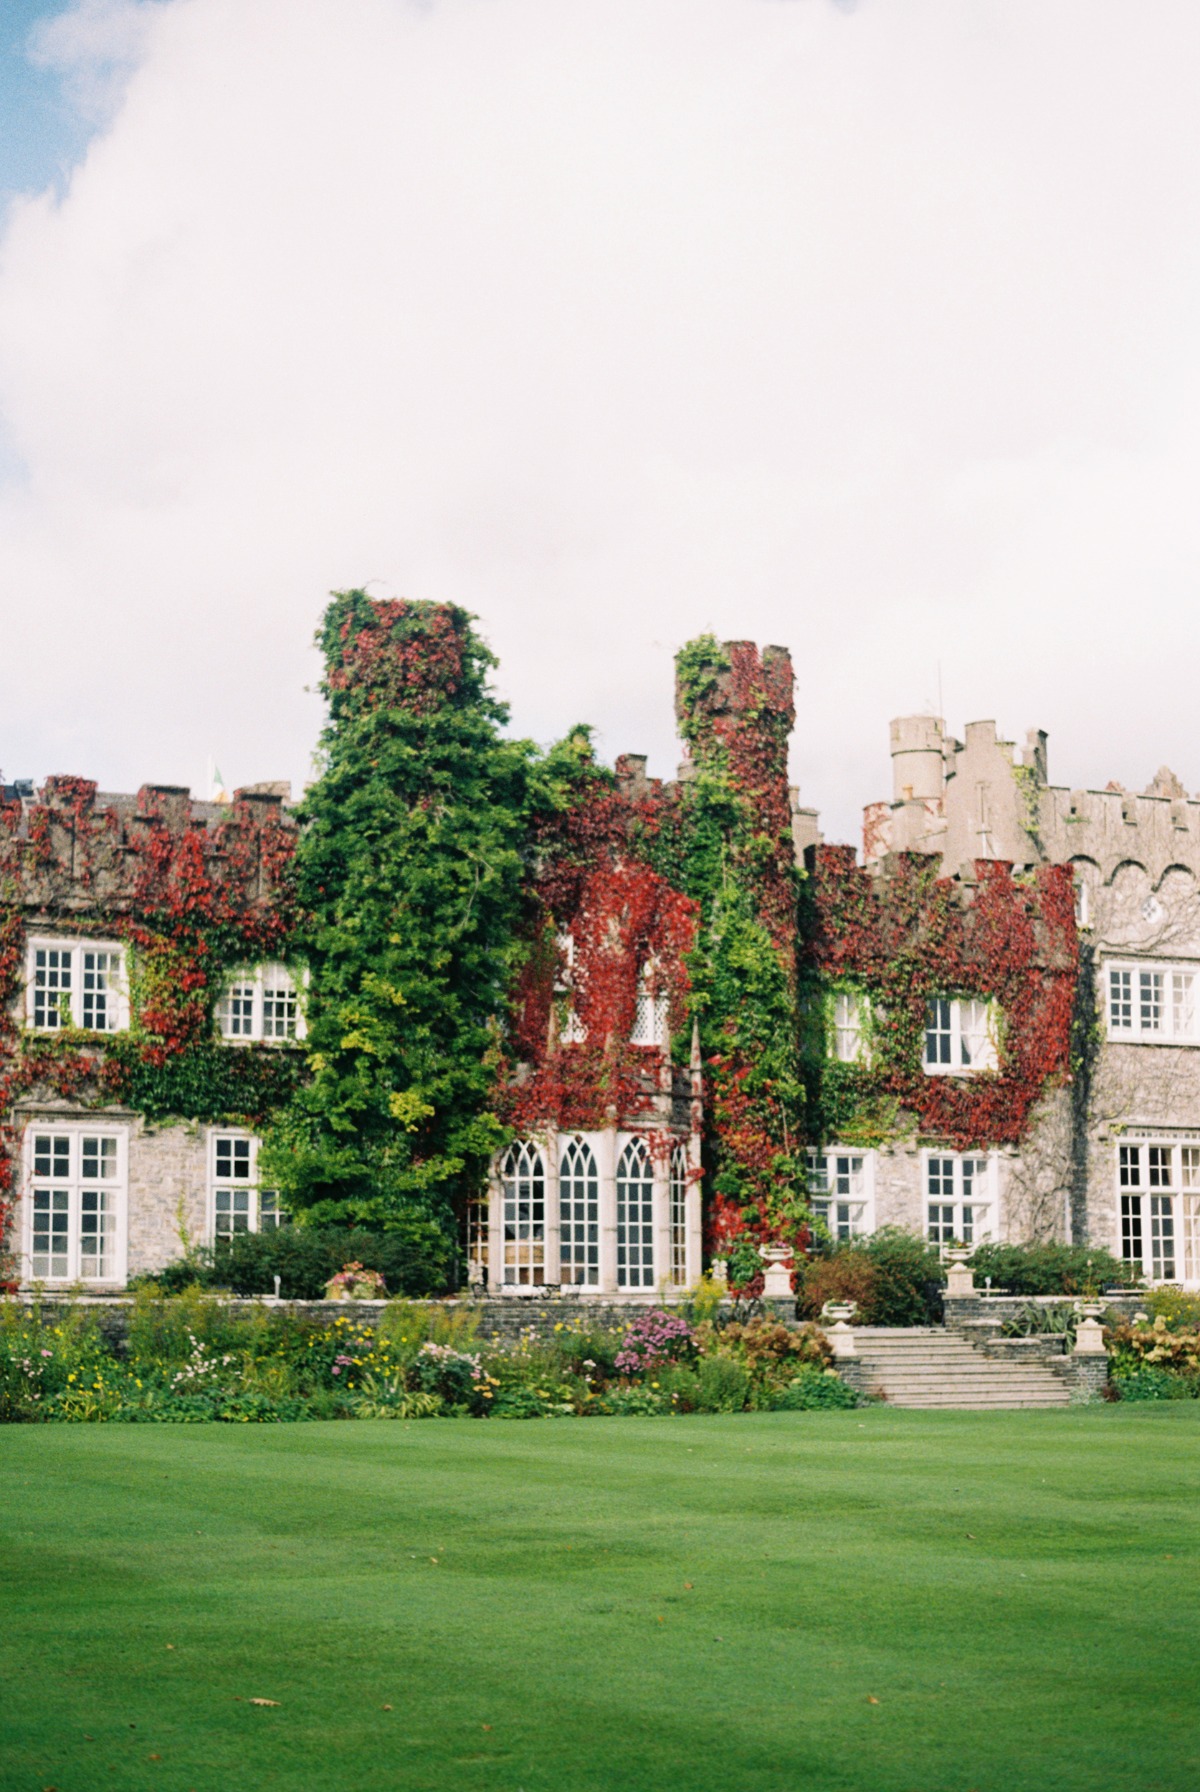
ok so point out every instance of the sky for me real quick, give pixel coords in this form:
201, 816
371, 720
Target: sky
869, 329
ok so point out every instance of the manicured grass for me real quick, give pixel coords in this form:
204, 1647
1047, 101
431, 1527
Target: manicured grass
607, 1605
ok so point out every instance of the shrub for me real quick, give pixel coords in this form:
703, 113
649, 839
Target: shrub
1153, 1383
723, 1384
1050, 1268
652, 1339
1180, 1312
894, 1276
414, 1259
772, 1353
814, 1388
908, 1279
848, 1274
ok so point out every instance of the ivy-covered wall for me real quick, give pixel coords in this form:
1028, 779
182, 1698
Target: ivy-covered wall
476, 916
898, 935
192, 892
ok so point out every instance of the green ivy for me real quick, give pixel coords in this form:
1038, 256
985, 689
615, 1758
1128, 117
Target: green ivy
411, 869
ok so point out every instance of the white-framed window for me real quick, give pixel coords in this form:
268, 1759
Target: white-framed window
960, 1197
523, 1181
841, 1190
650, 1019
478, 1222
235, 1200
1158, 1189
960, 1036
680, 1183
579, 1215
75, 983
76, 1180
635, 1217
1155, 1002
847, 1039
261, 1003
571, 1030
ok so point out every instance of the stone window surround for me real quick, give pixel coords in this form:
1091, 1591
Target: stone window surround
77, 945
988, 1226
1170, 1002
859, 1199
118, 1187
1145, 1186
214, 1181
259, 981
961, 1026
607, 1146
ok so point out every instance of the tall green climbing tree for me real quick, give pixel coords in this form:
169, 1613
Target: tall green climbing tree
410, 869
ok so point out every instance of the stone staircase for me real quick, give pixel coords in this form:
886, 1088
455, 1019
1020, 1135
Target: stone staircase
929, 1366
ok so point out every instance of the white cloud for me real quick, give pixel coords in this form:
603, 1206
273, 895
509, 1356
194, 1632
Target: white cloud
866, 330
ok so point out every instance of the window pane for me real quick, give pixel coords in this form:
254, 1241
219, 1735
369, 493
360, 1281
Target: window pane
1131, 1228
937, 1031
1129, 1161
51, 1240
941, 1223
270, 1215
579, 1215
96, 1228
1158, 1164
1150, 988
818, 1172
279, 1010
52, 1155
940, 1177
99, 1159
1183, 1004
235, 1012
51, 987
1120, 1000
100, 977
635, 1217
524, 1182
1162, 1238
232, 1160
679, 1189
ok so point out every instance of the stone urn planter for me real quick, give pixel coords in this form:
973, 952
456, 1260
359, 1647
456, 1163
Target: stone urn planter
959, 1279
839, 1312
777, 1271
1089, 1309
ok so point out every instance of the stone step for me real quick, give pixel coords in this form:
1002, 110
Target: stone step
922, 1366
975, 1404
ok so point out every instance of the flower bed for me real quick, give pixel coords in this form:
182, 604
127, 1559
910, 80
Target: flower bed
187, 1359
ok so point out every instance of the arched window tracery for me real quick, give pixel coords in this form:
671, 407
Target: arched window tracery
579, 1215
635, 1217
523, 1179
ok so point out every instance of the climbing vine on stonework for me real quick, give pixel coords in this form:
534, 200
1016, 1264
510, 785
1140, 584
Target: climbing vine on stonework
905, 935
735, 711
190, 904
602, 927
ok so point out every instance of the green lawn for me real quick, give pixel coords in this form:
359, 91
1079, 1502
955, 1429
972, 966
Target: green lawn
844, 1602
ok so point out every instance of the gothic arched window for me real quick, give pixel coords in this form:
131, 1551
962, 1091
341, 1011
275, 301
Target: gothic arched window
635, 1217
523, 1176
679, 1189
579, 1214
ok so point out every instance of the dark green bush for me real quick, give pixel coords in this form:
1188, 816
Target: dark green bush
1152, 1383
415, 1258
908, 1279
1049, 1268
815, 1389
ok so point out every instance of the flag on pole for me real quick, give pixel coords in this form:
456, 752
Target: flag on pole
217, 792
